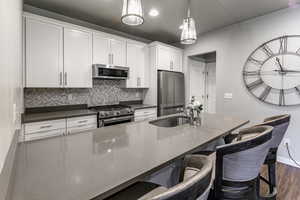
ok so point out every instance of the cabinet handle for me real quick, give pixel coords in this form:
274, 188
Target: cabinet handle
66, 80
138, 81
48, 126
82, 121
60, 78
83, 125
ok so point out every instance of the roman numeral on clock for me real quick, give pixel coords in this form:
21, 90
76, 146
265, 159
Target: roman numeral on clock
265, 93
297, 90
254, 84
255, 61
266, 49
283, 45
281, 98
251, 73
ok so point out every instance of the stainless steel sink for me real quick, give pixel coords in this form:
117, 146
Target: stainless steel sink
171, 121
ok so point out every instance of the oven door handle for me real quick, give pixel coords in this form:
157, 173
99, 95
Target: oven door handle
117, 119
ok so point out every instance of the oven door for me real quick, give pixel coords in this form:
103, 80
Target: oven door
117, 120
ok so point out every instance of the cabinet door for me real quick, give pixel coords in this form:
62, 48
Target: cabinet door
176, 60
144, 72
118, 52
132, 50
136, 55
77, 58
101, 49
44, 54
163, 58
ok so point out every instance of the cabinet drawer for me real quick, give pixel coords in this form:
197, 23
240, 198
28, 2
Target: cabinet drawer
44, 126
44, 134
76, 121
80, 128
145, 117
146, 111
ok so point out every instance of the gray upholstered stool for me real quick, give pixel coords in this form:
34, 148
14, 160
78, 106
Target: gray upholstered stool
195, 182
280, 124
238, 164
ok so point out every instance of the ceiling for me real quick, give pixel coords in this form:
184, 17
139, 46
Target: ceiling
208, 14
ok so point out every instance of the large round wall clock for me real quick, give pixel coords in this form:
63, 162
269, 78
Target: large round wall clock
272, 71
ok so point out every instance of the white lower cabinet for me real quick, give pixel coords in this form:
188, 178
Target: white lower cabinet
45, 129
79, 124
52, 128
145, 114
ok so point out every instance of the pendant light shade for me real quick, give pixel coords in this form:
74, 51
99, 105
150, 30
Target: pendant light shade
132, 13
189, 33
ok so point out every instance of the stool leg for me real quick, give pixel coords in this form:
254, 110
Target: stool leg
272, 176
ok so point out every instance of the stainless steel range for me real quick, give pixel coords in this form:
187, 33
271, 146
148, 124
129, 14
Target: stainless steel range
113, 114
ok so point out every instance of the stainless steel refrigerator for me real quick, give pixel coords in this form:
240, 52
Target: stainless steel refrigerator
170, 92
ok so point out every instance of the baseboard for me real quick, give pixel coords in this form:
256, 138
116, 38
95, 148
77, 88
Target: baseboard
8, 169
287, 161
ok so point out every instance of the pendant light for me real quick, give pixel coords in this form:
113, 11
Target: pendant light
188, 34
132, 13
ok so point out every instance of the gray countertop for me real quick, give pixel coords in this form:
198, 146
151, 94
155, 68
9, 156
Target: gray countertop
141, 106
36, 117
98, 162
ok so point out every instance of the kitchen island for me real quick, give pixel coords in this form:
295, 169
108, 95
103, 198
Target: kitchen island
101, 162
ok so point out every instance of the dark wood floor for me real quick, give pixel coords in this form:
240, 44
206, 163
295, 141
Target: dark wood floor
288, 182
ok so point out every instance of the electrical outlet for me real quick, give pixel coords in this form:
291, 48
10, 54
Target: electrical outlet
70, 97
286, 141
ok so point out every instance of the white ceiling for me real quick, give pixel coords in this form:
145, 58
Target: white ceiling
208, 14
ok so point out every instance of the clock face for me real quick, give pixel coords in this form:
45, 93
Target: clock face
272, 71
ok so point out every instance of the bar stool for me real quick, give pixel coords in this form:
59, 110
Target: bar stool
280, 124
238, 164
195, 182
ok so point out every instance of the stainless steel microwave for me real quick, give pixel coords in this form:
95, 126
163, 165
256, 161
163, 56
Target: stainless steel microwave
110, 72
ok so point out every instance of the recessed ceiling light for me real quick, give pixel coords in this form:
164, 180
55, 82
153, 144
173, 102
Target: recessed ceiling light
153, 12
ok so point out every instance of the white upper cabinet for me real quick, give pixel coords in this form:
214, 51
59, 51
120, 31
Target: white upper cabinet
77, 58
101, 49
163, 58
108, 50
168, 58
118, 52
176, 60
137, 61
43, 54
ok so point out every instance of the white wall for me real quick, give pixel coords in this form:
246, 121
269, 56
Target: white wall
233, 45
10, 72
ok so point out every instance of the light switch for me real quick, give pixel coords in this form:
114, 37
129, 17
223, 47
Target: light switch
227, 95
14, 112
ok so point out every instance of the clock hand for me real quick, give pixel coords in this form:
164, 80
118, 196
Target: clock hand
278, 61
287, 71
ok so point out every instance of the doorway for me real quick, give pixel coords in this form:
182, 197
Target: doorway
202, 69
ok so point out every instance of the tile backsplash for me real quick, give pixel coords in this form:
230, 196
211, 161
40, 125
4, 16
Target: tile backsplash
103, 92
